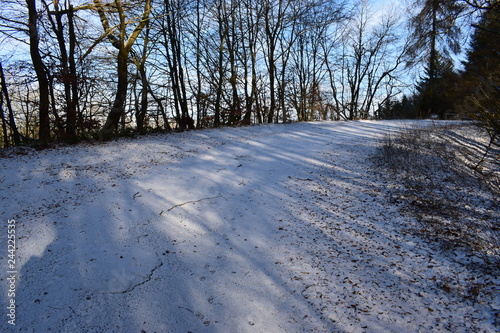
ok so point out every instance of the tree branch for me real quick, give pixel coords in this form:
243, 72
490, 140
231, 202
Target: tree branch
193, 201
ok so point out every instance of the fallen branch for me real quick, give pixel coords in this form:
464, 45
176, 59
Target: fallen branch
181, 307
304, 179
193, 201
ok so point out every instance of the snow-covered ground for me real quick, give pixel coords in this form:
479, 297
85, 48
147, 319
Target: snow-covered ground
273, 228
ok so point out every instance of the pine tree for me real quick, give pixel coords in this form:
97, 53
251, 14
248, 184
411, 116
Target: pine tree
483, 57
434, 90
482, 72
436, 36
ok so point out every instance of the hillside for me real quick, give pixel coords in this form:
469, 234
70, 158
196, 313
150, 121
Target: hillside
272, 228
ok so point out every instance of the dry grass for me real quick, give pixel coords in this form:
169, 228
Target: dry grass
433, 172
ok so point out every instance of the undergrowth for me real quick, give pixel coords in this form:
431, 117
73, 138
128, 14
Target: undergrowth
438, 174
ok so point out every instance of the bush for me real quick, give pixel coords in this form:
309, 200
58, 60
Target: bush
432, 172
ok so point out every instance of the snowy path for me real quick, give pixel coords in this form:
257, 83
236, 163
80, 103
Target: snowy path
276, 228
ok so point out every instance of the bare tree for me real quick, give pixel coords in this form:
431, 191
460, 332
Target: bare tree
249, 19
276, 19
119, 38
366, 61
4, 95
41, 73
67, 68
308, 65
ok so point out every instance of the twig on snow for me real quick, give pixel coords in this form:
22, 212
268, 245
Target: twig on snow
193, 201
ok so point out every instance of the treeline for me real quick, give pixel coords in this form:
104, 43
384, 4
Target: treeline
472, 92
99, 68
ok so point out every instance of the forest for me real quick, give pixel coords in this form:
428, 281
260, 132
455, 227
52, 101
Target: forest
72, 70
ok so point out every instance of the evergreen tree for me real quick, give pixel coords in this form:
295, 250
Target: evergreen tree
435, 89
436, 36
481, 78
483, 57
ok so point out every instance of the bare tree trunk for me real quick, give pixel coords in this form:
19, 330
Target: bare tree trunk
199, 114
12, 122
143, 108
271, 40
73, 77
432, 60
124, 46
172, 44
118, 108
41, 74
67, 65
223, 35
4, 123
234, 43
250, 52
141, 111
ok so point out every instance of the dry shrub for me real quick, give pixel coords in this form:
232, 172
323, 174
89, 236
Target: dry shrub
434, 171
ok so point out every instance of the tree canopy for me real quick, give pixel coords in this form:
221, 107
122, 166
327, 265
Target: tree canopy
106, 68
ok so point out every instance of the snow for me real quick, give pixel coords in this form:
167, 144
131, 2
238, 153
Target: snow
271, 228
